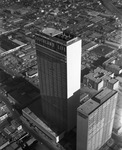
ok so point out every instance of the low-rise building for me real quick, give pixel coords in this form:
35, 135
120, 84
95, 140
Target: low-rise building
114, 68
100, 78
3, 142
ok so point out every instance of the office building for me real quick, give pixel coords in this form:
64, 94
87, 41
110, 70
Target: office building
59, 69
39, 125
95, 120
101, 78
114, 68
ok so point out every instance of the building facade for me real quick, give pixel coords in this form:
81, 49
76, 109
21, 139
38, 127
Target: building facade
59, 69
95, 120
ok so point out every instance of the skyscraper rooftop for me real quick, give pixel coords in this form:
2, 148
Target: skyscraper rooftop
51, 31
57, 36
88, 107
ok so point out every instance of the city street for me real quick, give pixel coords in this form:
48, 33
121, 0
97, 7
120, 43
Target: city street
15, 115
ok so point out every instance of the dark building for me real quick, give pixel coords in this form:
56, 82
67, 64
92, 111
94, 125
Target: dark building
4, 76
20, 92
59, 68
6, 43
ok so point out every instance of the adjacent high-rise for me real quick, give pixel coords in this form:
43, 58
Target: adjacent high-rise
59, 69
95, 120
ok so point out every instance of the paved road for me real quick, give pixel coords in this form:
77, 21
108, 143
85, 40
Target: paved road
108, 4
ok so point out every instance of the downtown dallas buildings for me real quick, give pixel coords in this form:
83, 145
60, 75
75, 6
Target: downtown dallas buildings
59, 68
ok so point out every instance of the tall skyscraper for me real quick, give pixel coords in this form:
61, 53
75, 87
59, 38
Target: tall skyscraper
59, 69
95, 120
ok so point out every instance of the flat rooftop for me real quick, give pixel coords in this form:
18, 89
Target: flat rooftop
12, 84
113, 81
51, 31
88, 90
88, 107
104, 95
102, 50
38, 120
